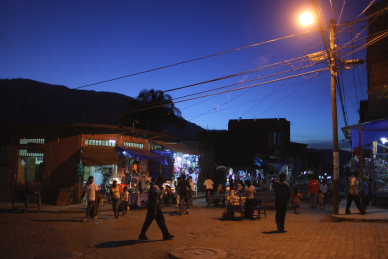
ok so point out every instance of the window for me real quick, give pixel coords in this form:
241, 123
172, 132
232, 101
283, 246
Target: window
25, 141
96, 142
30, 153
133, 144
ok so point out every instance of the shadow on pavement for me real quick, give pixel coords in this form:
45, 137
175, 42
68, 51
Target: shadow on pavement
274, 232
120, 243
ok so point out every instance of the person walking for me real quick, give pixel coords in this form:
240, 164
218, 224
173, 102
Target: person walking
183, 191
192, 188
249, 192
115, 194
282, 195
208, 183
155, 212
314, 187
125, 200
91, 192
324, 189
353, 194
296, 201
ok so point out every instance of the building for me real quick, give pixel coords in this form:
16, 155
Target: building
256, 146
59, 159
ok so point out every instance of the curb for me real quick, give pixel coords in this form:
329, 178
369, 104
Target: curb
341, 219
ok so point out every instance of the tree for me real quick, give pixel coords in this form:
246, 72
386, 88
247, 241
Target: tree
151, 109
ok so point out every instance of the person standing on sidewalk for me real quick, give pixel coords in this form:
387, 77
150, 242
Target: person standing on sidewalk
209, 187
282, 196
91, 192
314, 187
249, 192
115, 194
155, 212
353, 194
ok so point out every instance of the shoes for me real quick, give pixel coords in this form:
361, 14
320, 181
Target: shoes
169, 237
143, 237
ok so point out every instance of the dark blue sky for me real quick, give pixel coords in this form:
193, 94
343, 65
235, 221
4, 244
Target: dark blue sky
74, 43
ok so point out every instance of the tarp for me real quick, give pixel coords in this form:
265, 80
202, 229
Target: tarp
141, 154
371, 131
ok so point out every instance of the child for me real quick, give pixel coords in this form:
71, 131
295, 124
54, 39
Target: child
296, 201
321, 200
125, 200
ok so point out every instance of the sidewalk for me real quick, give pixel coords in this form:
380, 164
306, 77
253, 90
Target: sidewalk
373, 214
74, 208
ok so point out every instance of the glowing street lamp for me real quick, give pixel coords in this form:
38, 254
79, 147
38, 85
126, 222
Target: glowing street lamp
307, 18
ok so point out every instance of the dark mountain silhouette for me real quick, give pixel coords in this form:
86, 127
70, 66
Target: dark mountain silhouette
25, 102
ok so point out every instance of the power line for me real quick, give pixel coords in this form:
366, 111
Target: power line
255, 79
254, 85
192, 60
240, 73
370, 4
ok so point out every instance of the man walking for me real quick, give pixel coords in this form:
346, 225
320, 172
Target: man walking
209, 187
282, 195
155, 212
91, 189
314, 187
353, 194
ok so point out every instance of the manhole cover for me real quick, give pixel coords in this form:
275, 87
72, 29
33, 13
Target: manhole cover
197, 253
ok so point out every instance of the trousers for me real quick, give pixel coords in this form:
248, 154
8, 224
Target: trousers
281, 209
356, 199
156, 214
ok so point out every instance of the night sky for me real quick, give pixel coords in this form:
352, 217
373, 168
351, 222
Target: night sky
74, 43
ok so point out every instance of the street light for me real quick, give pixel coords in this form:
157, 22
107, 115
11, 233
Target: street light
307, 18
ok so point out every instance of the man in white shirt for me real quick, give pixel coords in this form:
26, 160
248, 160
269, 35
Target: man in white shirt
91, 190
209, 187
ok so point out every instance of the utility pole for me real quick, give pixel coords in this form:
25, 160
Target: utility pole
334, 74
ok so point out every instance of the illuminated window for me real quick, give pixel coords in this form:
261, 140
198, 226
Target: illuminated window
96, 142
30, 153
133, 144
25, 141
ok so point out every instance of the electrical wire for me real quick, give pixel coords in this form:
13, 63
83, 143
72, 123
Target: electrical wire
286, 62
254, 85
370, 4
244, 82
192, 60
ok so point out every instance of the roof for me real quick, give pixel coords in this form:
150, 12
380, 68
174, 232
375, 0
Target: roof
371, 131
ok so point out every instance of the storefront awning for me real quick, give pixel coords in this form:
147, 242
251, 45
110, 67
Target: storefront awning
141, 155
371, 131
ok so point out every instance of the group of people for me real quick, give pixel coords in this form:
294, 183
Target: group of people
119, 198
184, 193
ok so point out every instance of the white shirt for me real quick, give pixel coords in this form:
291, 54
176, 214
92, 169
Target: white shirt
208, 183
91, 190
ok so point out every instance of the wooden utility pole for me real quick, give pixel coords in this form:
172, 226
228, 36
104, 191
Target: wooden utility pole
334, 74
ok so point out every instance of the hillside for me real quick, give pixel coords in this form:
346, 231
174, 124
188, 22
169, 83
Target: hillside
27, 102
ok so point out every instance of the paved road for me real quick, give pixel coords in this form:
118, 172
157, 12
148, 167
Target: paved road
310, 235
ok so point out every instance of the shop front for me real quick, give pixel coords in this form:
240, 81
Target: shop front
373, 138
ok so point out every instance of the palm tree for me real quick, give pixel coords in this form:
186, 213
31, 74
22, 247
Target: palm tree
153, 108
158, 99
